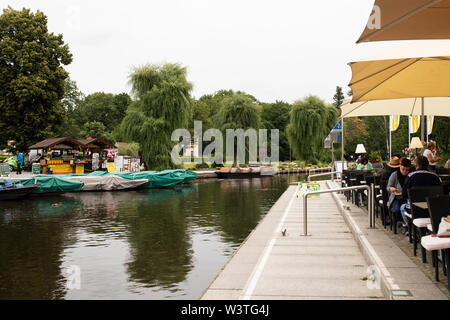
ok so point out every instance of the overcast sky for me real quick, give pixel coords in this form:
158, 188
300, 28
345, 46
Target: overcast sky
274, 50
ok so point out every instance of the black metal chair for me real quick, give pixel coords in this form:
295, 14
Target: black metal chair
420, 218
438, 207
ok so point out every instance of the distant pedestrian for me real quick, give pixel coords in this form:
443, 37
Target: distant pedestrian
19, 162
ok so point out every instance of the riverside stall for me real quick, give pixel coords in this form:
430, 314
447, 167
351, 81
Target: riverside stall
95, 152
61, 155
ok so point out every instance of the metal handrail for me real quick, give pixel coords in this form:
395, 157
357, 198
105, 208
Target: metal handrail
370, 191
322, 175
319, 169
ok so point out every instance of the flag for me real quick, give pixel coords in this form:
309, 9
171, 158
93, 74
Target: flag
394, 122
414, 124
430, 122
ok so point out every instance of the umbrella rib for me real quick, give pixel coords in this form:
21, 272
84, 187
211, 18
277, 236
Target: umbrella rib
414, 106
380, 71
393, 24
414, 62
344, 116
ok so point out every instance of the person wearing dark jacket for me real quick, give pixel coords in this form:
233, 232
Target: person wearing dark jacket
422, 177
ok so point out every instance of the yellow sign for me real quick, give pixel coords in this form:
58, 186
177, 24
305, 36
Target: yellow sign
111, 167
304, 187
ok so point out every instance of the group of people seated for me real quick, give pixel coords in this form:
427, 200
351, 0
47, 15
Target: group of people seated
402, 175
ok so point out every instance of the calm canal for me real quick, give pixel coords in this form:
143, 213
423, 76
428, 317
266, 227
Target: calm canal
150, 244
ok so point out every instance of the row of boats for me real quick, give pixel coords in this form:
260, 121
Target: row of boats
104, 181
95, 181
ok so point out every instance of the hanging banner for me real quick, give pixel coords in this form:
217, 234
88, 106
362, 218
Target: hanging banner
414, 124
430, 122
394, 122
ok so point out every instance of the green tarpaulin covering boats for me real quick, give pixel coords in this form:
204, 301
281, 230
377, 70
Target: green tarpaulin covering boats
76, 182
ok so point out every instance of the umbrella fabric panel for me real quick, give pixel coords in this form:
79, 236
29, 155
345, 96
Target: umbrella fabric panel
400, 78
408, 20
404, 107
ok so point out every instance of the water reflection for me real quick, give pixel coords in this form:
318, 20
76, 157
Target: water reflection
150, 244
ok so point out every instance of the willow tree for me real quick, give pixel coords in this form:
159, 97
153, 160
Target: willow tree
162, 105
238, 111
311, 120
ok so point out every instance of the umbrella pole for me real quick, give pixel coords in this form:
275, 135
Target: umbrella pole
390, 143
422, 132
342, 138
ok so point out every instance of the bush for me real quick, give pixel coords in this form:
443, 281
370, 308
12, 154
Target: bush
202, 166
131, 149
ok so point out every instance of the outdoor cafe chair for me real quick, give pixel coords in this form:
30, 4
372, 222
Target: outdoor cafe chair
420, 218
438, 208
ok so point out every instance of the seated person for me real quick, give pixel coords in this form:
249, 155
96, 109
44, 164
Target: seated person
395, 189
392, 166
365, 164
422, 177
447, 165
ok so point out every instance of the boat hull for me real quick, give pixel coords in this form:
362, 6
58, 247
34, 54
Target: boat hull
239, 175
16, 193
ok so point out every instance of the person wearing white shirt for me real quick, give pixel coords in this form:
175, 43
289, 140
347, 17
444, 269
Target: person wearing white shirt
429, 153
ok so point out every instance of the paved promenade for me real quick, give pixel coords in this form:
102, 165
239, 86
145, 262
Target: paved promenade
331, 263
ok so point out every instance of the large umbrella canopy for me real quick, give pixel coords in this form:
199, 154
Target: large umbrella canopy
420, 69
408, 20
402, 107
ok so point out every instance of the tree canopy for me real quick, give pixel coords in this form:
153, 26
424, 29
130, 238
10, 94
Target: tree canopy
163, 105
311, 120
32, 77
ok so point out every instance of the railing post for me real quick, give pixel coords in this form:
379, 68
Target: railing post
305, 215
372, 188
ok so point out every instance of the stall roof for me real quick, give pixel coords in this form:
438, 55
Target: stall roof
48, 143
101, 142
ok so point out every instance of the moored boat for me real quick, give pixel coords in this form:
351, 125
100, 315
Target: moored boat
242, 173
52, 184
108, 183
16, 192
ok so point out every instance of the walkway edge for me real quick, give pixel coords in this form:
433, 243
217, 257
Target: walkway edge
386, 282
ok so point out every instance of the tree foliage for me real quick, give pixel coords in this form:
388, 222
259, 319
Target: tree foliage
32, 77
163, 105
310, 123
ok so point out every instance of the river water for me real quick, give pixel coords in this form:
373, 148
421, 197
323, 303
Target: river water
149, 244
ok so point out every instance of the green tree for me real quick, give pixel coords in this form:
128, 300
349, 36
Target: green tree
31, 77
107, 108
95, 129
163, 104
71, 102
441, 134
339, 97
239, 111
311, 120
276, 116
355, 132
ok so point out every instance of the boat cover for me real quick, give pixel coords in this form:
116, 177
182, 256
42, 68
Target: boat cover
107, 182
52, 184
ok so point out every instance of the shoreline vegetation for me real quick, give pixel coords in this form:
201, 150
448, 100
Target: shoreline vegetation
161, 101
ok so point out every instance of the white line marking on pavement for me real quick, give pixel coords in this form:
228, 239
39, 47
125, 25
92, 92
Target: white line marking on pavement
257, 271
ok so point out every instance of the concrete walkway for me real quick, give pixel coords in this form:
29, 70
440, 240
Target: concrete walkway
397, 273
326, 265
341, 259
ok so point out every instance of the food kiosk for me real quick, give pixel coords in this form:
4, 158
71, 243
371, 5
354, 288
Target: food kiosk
61, 156
95, 152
